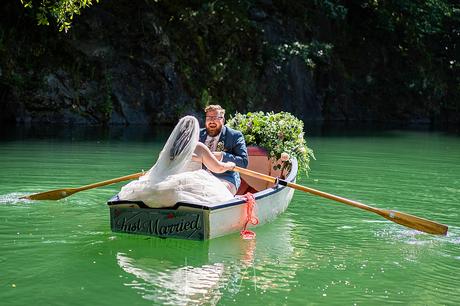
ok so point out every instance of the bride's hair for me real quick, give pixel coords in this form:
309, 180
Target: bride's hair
178, 149
183, 138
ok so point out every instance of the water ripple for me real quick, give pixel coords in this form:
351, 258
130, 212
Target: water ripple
13, 198
318, 252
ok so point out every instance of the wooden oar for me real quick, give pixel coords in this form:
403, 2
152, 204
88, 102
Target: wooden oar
58, 194
411, 221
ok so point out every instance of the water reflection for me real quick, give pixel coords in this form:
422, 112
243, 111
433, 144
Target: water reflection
161, 132
132, 133
211, 269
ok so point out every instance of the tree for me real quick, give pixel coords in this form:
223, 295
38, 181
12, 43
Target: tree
61, 12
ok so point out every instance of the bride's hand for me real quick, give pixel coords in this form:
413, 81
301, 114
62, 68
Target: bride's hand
229, 166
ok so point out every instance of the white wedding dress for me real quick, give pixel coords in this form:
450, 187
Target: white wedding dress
175, 177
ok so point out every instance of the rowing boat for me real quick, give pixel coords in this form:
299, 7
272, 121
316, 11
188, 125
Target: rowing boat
209, 220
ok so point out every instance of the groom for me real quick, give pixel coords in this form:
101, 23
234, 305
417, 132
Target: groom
226, 144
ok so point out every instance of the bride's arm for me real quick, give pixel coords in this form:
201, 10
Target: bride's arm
205, 156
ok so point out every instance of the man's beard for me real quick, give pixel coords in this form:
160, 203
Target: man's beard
213, 133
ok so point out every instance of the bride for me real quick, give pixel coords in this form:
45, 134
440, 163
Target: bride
177, 176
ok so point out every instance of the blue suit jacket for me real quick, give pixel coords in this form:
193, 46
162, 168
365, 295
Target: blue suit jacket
234, 150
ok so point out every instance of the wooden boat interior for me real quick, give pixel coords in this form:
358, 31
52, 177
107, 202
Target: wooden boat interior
259, 162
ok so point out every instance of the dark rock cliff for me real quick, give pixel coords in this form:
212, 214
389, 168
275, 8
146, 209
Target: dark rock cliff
136, 62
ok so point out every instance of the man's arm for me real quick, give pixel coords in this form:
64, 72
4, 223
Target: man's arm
239, 153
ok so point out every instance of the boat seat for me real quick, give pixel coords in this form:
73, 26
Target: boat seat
257, 161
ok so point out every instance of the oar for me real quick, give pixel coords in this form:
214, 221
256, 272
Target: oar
411, 221
58, 194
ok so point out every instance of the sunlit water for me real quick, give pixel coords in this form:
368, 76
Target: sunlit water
317, 252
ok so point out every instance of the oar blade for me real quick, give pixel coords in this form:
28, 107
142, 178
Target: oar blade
416, 223
56, 194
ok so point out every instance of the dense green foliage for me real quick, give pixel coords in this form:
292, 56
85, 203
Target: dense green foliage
383, 60
61, 12
276, 132
394, 58
410, 50
217, 45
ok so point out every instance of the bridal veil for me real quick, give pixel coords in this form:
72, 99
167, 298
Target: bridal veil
170, 180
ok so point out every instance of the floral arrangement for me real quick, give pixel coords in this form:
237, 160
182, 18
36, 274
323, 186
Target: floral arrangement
278, 133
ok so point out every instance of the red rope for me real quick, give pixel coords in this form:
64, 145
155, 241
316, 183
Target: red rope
250, 217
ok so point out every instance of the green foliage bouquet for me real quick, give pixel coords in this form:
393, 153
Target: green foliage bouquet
276, 132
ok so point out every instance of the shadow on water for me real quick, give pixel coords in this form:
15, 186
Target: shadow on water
86, 133
370, 129
161, 132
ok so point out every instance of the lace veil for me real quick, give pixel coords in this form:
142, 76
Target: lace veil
178, 150
169, 180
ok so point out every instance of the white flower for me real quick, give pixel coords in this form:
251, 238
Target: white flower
284, 156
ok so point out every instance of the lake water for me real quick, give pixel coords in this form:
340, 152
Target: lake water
317, 252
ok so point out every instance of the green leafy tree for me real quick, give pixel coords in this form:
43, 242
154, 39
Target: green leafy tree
62, 12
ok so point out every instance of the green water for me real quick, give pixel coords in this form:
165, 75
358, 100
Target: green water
317, 252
